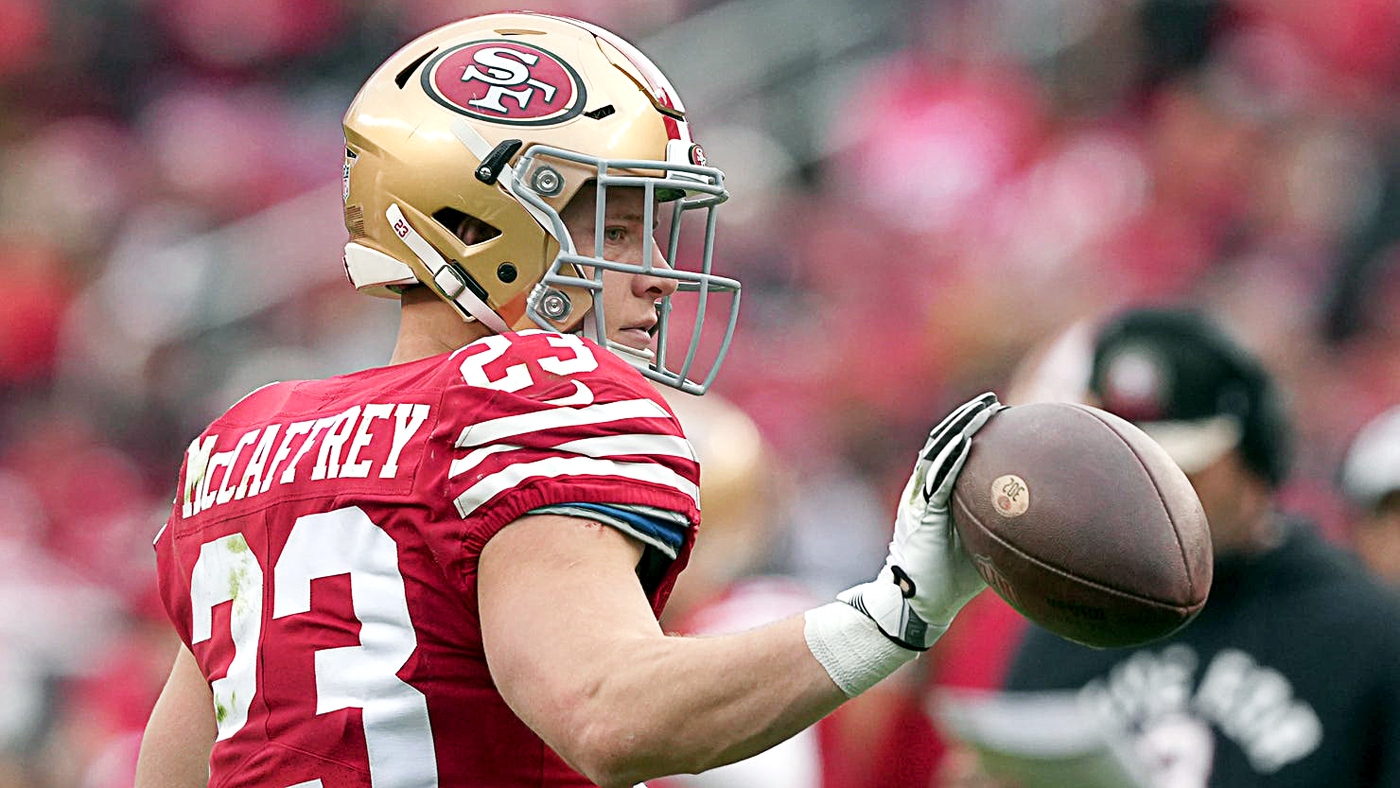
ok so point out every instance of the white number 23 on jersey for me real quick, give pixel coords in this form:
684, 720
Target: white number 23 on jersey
576, 357
395, 715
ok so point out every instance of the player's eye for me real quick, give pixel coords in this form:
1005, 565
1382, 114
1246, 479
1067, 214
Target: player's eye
615, 234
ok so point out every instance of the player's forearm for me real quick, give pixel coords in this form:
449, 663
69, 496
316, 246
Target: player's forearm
680, 705
576, 652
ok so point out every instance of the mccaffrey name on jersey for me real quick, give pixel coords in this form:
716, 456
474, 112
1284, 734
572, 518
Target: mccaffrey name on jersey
343, 439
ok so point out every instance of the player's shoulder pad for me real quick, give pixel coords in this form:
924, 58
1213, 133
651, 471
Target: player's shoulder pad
267, 398
253, 408
572, 417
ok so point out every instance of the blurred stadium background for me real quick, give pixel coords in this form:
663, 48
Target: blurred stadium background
924, 194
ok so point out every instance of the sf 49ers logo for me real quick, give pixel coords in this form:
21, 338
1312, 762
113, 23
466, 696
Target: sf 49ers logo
505, 82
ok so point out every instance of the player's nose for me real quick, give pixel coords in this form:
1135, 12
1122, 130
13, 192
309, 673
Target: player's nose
655, 286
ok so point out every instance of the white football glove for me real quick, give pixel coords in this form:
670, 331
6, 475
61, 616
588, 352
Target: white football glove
927, 576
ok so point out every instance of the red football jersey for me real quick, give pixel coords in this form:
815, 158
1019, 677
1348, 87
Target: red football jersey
320, 561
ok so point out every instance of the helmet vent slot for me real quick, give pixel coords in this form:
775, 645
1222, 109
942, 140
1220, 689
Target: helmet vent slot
469, 229
402, 78
601, 112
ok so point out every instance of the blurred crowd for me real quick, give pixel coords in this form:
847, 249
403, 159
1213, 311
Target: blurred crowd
993, 175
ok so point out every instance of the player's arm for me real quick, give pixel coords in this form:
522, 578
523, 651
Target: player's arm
180, 733
577, 653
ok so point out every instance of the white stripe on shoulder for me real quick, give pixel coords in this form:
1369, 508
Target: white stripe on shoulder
554, 467
645, 444
461, 465
493, 430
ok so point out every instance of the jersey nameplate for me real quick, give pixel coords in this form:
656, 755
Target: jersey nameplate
344, 448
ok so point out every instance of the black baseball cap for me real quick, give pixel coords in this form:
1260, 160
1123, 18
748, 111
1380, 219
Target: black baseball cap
1180, 378
1371, 471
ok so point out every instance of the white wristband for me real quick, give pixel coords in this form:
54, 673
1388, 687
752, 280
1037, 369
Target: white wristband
855, 653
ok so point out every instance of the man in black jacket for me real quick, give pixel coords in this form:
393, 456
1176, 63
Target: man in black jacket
1290, 676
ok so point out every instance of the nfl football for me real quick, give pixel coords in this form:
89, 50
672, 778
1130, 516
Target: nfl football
1083, 524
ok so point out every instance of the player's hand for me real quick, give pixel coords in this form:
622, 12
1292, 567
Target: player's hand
927, 576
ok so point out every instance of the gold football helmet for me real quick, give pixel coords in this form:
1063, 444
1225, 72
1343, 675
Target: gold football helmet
495, 123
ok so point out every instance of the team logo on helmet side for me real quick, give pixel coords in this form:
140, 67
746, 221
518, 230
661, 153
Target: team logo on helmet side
505, 82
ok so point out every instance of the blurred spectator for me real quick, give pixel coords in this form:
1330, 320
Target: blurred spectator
37, 293
1371, 479
1246, 694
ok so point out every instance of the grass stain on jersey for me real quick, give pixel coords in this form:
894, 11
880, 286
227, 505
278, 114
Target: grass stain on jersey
238, 576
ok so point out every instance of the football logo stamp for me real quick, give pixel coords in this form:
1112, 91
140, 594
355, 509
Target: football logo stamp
505, 82
1011, 497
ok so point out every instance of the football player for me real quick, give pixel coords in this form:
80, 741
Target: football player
448, 570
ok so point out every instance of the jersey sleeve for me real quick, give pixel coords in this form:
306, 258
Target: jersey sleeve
659, 529
173, 589
543, 422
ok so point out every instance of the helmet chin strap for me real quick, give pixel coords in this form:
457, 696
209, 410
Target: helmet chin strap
451, 282
637, 357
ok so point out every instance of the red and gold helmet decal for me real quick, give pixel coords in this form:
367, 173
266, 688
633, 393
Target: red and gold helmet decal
505, 81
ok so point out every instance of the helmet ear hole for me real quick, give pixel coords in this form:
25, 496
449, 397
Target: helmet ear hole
469, 229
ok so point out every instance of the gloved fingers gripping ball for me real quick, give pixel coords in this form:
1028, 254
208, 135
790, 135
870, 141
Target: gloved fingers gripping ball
927, 576
924, 534
956, 428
